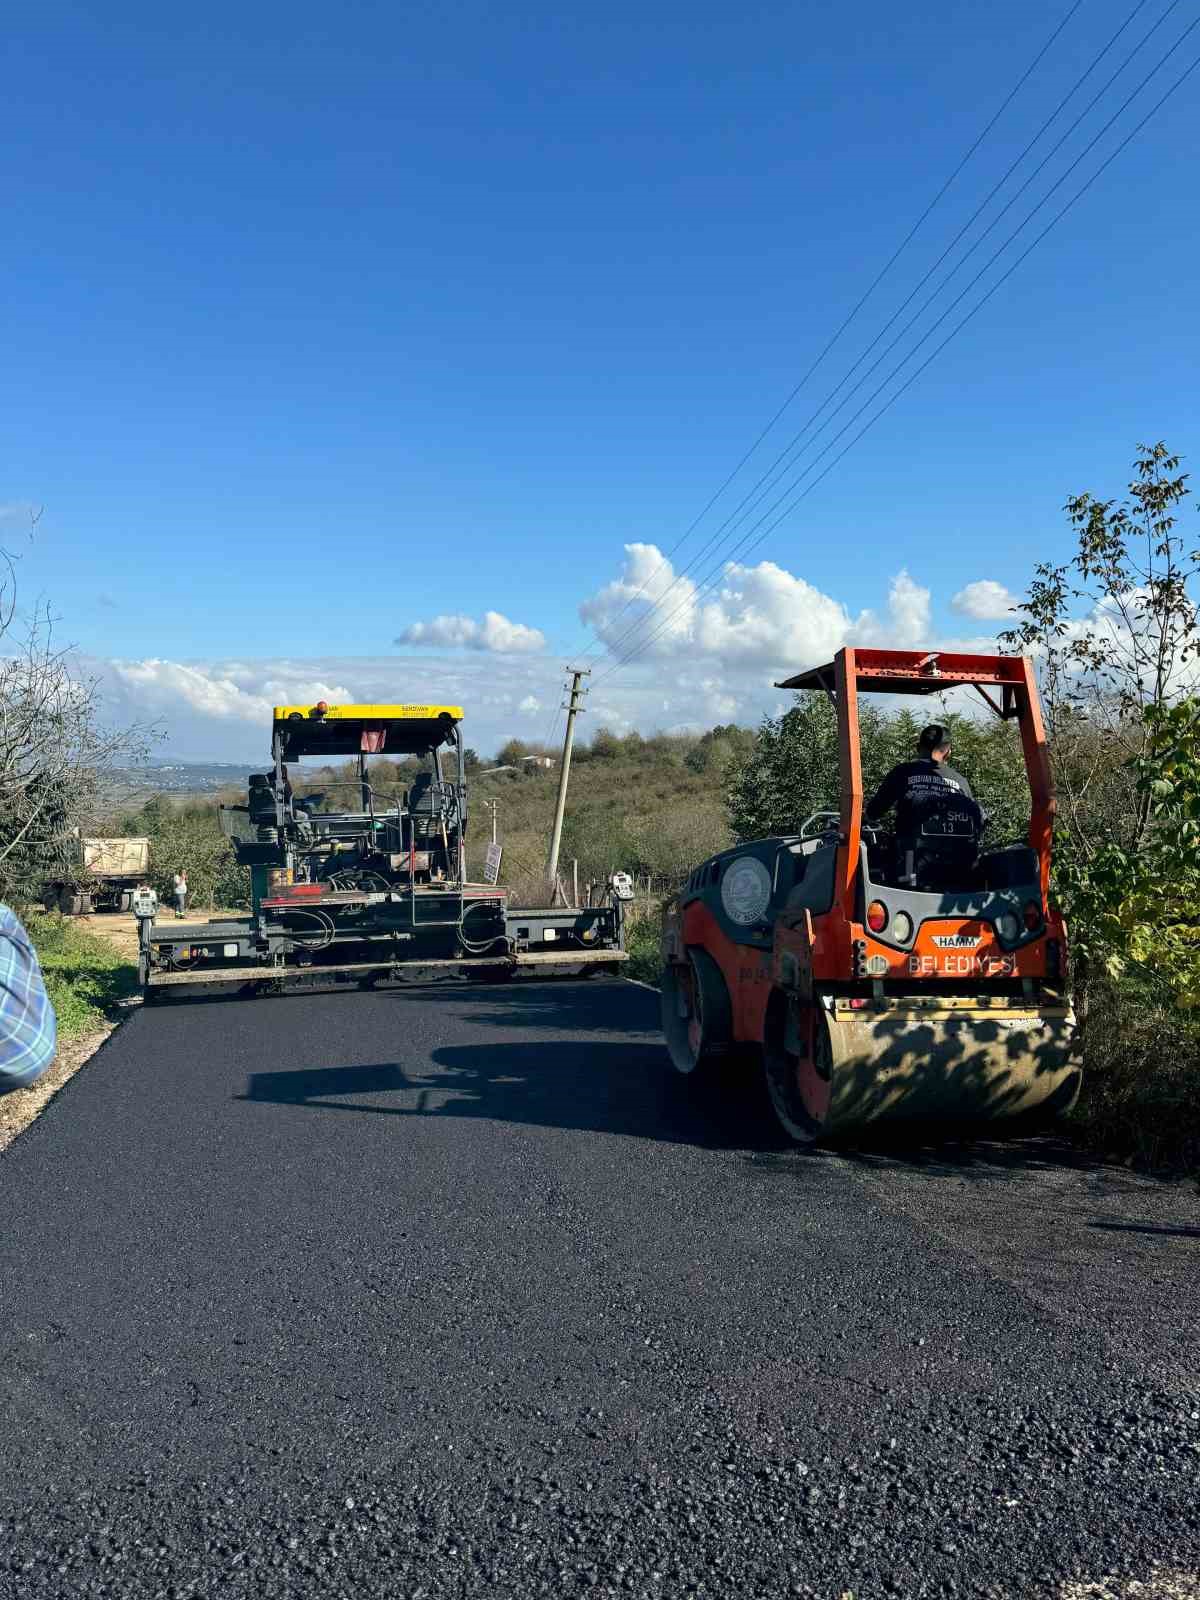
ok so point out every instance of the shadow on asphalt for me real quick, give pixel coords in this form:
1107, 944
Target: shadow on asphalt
598, 1086
968, 1153
624, 1085
1183, 1232
602, 1087
975, 1152
569, 1005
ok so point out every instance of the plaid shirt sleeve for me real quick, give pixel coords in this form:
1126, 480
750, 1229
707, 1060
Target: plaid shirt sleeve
27, 1027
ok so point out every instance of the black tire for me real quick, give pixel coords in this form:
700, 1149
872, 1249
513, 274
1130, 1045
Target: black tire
697, 1016
797, 1080
125, 903
50, 897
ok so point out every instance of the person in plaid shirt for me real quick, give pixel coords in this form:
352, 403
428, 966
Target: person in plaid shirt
28, 1031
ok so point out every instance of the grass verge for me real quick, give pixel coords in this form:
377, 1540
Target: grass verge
87, 979
642, 936
1141, 1086
87, 976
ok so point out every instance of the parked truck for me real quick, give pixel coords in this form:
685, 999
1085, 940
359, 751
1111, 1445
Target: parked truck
102, 877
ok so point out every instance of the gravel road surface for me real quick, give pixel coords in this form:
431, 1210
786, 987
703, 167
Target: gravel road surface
459, 1292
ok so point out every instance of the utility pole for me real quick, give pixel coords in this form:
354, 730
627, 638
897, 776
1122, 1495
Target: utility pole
493, 804
572, 708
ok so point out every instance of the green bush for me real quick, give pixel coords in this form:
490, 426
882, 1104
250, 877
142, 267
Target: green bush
86, 976
1141, 1100
1115, 633
642, 941
189, 836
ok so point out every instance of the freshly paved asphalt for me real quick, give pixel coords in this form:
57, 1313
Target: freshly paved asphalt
458, 1292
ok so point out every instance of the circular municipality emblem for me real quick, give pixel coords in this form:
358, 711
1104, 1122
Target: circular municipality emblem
746, 890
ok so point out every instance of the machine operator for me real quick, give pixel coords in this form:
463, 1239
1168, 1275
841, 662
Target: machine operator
915, 787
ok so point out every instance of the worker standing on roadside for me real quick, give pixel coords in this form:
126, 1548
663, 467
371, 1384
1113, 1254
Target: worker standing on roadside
28, 1031
180, 893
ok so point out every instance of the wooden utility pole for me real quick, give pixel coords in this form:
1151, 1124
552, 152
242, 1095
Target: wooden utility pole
572, 708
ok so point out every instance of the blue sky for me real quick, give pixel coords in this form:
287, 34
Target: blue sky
323, 322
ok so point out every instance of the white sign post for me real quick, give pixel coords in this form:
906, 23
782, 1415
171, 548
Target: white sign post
491, 867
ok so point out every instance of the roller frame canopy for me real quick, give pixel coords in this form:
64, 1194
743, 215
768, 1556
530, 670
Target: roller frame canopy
1012, 678
915, 672
338, 731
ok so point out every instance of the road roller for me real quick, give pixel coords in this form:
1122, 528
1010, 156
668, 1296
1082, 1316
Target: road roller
874, 979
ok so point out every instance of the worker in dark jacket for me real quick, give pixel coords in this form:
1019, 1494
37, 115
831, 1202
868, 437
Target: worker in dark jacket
915, 787
27, 1024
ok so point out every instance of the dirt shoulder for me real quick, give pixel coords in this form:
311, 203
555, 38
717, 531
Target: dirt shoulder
18, 1109
121, 930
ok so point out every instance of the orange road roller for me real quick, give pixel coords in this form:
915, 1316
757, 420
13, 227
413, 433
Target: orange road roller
878, 975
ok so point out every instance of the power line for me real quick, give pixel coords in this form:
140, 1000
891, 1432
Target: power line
555, 718
552, 736
767, 481
911, 379
775, 472
875, 282
928, 333
556, 710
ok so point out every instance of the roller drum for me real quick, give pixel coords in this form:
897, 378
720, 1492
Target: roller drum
833, 1068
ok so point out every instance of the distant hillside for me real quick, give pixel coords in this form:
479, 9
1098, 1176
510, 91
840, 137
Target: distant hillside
178, 777
648, 806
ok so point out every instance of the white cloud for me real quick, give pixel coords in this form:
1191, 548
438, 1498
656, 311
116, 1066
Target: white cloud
908, 624
760, 617
985, 600
231, 692
494, 633
726, 647
711, 657
765, 615
221, 710
758, 614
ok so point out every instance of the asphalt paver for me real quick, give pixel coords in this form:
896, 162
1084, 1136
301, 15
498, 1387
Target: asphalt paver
459, 1291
